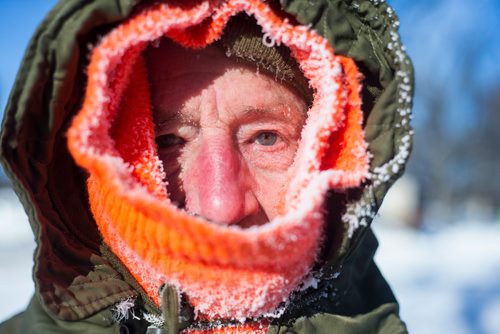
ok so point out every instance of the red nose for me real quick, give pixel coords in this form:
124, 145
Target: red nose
216, 184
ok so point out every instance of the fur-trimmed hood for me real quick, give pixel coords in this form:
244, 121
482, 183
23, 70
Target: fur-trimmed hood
355, 145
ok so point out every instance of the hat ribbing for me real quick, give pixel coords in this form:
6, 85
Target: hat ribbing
244, 40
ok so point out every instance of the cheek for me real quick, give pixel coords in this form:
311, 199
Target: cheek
271, 172
172, 168
170, 161
275, 159
270, 189
175, 163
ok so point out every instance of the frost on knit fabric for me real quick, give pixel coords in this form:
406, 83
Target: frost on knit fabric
112, 137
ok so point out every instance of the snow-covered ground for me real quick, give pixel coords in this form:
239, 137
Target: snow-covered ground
16, 254
447, 281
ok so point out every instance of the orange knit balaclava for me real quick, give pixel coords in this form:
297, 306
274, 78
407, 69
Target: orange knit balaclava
224, 271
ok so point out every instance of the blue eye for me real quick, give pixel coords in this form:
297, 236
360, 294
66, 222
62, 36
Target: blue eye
266, 138
169, 140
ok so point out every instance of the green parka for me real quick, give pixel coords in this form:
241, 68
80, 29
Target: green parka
77, 279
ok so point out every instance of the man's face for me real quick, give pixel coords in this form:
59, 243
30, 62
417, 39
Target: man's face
226, 134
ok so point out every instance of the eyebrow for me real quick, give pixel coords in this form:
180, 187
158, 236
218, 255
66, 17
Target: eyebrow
255, 110
172, 117
248, 112
276, 113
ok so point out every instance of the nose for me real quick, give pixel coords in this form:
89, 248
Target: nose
217, 184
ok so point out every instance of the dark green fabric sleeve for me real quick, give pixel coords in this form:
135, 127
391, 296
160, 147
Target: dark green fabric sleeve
35, 320
382, 320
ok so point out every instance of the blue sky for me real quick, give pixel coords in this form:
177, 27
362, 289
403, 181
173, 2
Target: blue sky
455, 47
18, 21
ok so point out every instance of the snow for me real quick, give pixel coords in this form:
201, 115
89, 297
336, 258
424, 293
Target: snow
446, 280
16, 253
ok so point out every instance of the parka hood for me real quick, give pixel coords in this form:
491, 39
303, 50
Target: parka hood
355, 144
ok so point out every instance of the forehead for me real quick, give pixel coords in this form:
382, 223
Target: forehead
169, 60
177, 74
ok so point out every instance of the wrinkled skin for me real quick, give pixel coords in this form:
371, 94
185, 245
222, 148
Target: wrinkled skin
226, 134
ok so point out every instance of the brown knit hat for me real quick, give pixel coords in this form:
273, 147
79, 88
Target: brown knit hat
244, 40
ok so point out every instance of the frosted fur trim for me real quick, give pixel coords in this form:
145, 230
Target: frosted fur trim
278, 254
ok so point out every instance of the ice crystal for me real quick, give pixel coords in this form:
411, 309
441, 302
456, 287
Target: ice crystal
123, 310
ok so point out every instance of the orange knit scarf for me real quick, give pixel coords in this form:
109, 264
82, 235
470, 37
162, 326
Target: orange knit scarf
224, 271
